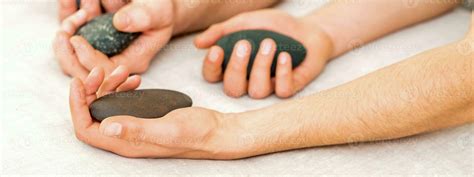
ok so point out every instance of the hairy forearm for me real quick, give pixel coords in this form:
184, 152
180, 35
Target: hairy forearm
195, 15
354, 23
427, 92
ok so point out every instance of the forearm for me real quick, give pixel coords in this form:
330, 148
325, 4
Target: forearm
427, 92
196, 15
351, 24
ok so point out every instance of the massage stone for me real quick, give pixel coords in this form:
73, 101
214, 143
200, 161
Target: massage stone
148, 104
103, 36
255, 37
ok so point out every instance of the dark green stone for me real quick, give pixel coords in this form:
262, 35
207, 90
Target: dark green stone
149, 104
255, 37
103, 36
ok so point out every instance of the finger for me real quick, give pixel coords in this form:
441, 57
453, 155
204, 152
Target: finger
73, 22
141, 15
131, 149
260, 84
92, 83
89, 57
115, 79
66, 8
113, 5
217, 31
138, 55
92, 7
284, 76
153, 131
212, 66
209, 37
78, 105
66, 57
235, 76
131, 83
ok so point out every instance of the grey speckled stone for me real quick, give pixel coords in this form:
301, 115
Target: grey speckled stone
149, 104
103, 36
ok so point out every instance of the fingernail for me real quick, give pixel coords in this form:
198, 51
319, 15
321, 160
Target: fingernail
241, 50
95, 72
81, 14
113, 129
62, 39
118, 70
213, 55
283, 59
74, 42
266, 47
123, 20
67, 27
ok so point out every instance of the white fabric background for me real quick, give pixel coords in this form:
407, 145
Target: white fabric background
37, 136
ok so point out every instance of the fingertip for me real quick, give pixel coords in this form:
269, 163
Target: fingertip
94, 80
212, 69
75, 83
61, 43
284, 77
121, 69
121, 20
133, 18
216, 55
79, 43
209, 37
110, 128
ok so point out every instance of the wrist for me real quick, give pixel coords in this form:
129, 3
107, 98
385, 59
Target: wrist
189, 15
332, 33
316, 37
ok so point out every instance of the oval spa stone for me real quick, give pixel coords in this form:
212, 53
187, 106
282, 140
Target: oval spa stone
255, 37
103, 36
148, 104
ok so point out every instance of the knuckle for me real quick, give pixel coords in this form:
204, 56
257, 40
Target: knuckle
80, 135
141, 68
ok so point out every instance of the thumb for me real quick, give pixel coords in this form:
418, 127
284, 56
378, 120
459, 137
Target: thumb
137, 130
141, 16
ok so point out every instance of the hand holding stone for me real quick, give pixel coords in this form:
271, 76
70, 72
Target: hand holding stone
183, 133
264, 52
153, 19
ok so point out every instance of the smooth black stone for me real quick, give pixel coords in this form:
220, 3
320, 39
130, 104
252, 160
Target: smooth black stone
255, 37
103, 36
148, 104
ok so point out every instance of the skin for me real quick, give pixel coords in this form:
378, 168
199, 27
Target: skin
327, 32
424, 93
157, 20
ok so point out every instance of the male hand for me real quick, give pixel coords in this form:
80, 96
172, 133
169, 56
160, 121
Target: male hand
183, 133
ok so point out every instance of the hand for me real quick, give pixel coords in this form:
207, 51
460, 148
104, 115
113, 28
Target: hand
183, 133
287, 82
154, 19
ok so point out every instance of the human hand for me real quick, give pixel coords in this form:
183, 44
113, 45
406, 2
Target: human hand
287, 81
183, 133
154, 19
